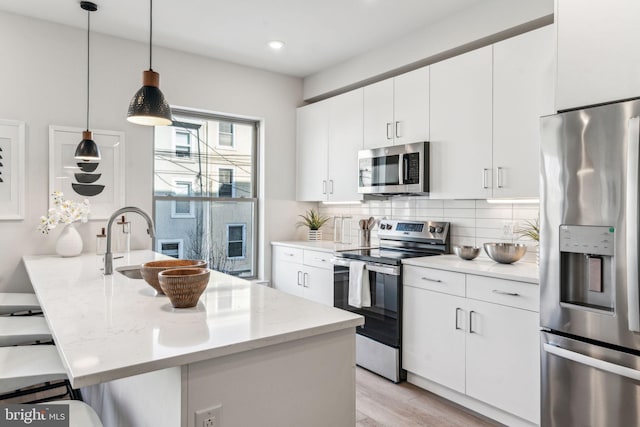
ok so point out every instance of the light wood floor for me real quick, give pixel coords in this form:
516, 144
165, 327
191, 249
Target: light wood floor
381, 403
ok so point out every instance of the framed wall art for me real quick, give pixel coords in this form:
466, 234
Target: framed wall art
12, 165
101, 182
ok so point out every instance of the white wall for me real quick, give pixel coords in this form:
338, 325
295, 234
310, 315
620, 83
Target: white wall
488, 21
43, 81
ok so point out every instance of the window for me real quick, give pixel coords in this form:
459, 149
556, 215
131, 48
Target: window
182, 208
225, 179
236, 235
183, 144
170, 247
208, 202
225, 134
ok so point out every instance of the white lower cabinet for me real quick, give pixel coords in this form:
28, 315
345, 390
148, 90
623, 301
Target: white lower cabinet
484, 345
304, 273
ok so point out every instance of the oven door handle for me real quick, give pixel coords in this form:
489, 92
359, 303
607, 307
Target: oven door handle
392, 270
593, 362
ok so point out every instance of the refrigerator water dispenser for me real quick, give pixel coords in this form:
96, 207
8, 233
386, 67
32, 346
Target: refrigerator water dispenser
586, 267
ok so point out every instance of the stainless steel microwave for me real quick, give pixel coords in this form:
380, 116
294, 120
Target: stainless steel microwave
398, 169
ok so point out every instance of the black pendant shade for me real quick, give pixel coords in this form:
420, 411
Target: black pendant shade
87, 149
148, 106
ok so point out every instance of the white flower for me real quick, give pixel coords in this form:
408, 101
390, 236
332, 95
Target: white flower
64, 211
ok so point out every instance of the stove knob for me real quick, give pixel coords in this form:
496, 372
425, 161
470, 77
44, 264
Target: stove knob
432, 229
439, 229
389, 226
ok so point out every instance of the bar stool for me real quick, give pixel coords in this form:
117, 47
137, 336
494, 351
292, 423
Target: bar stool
80, 414
25, 366
11, 303
19, 330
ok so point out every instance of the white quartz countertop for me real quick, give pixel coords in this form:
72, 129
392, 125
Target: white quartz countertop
318, 245
110, 327
519, 271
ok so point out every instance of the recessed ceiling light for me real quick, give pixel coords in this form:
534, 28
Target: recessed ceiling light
276, 44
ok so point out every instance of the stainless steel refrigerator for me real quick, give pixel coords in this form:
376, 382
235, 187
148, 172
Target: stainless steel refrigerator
590, 306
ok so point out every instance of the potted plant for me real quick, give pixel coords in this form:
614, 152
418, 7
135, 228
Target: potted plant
314, 221
531, 229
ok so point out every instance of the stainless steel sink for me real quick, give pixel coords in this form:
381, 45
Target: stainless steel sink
130, 271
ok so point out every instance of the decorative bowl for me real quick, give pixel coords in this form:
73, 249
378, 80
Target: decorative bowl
466, 252
505, 253
150, 270
184, 286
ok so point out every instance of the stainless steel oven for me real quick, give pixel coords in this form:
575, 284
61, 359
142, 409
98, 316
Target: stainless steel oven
398, 169
379, 340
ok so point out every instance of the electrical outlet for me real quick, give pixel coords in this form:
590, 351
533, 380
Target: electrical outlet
210, 417
507, 229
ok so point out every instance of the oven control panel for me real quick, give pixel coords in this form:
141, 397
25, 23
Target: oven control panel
435, 231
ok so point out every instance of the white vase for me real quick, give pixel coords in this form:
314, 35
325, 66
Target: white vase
69, 242
315, 235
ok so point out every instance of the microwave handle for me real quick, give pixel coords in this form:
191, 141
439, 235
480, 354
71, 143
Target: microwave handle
403, 170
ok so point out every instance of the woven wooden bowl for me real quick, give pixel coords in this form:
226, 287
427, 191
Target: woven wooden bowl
184, 286
150, 270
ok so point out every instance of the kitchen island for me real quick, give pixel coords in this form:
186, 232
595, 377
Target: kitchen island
250, 354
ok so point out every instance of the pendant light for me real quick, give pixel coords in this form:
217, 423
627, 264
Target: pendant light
148, 106
88, 149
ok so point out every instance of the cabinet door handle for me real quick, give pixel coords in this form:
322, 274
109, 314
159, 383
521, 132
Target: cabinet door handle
484, 178
320, 259
458, 309
299, 278
498, 291
389, 133
305, 280
431, 280
331, 187
288, 254
324, 186
398, 130
471, 331
499, 176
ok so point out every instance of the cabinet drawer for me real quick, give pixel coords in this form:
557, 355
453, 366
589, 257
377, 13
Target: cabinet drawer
318, 259
506, 292
285, 253
432, 279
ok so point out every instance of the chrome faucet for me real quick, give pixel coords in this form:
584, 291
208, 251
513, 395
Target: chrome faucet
108, 256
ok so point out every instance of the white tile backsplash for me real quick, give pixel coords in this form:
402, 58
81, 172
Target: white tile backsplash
473, 222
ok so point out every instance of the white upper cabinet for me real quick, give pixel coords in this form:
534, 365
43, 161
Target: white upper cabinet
312, 145
328, 137
396, 110
598, 54
523, 90
345, 140
461, 122
378, 114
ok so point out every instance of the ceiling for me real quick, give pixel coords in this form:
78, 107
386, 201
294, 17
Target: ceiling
317, 33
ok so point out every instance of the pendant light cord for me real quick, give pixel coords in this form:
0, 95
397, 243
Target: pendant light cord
88, 62
150, 33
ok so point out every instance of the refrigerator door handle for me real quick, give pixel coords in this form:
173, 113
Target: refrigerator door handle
633, 297
594, 363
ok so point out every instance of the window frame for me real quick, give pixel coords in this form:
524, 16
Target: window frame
244, 240
174, 145
233, 175
192, 206
232, 133
180, 242
189, 114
